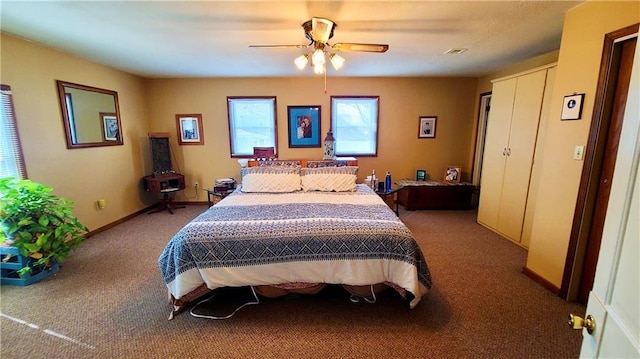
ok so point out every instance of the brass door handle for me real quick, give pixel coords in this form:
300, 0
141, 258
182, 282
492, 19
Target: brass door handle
577, 322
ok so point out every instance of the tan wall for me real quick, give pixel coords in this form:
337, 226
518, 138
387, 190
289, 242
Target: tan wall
81, 175
402, 101
577, 72
114, 173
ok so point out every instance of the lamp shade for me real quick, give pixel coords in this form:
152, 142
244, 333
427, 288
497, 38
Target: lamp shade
301, 61
318, 57
337, 61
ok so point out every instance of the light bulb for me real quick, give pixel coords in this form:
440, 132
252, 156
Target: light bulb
301, 61
337, 61
318, 69
318, 57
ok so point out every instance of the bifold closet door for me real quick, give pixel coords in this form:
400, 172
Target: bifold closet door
496, 143
522, 141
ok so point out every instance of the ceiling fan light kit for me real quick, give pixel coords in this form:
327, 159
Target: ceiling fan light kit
319, 30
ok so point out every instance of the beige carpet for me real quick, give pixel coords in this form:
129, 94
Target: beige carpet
108, 301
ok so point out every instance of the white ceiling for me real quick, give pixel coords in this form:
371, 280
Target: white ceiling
158, 39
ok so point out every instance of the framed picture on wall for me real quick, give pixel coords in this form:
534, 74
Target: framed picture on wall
572, 107
109, 126
190, 129
452, 174
304, 126
427, 127
421, 175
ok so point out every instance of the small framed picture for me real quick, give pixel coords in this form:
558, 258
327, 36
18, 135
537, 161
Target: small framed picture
572, 107
304, 126
452, 174
110, 131
190, 129
421, 175
427, 127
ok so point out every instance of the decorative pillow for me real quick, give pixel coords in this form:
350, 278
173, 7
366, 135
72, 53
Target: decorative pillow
270, 179
329, 179
278, 163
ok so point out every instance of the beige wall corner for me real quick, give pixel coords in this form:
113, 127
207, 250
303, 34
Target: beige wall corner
559, 177
82, 175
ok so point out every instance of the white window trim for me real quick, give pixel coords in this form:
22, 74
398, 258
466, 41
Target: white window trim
336, 130
11, 150
230, 112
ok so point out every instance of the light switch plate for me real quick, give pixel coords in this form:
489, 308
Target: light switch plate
578, 153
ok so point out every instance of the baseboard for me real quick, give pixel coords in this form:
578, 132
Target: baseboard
502, 235
538, 279
126, 218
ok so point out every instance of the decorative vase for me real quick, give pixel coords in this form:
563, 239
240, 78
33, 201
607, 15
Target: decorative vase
329, 149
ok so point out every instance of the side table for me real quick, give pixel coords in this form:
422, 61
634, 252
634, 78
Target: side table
216, 194
393, 192
164, 184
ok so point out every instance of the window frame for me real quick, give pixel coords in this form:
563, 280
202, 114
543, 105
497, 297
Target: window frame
11, 126
334, 102
230, 99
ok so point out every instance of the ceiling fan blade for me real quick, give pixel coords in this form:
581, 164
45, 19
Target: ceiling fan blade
280, 46
346, 46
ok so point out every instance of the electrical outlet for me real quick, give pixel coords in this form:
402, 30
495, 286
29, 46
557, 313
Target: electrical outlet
197, 186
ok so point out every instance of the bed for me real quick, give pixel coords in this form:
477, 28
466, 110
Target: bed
292, 229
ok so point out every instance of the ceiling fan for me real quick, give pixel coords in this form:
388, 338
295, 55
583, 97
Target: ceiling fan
318, 31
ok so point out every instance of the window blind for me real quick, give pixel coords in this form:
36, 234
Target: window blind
11, 160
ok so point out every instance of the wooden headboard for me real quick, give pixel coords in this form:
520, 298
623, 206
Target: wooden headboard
338, 162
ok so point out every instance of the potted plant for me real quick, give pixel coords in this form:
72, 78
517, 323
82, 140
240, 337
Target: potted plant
38, 223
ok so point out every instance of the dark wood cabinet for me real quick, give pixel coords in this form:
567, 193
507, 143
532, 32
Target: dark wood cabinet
436, 196
165, 184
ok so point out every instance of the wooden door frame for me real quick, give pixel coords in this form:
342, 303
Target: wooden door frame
594, 153
481, 132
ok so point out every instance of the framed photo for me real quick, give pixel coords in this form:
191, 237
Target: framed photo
190, 129
427, 127
572, 107
304, 126
110, 130
452, 174
421, 175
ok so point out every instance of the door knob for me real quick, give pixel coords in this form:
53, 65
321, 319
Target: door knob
577, 322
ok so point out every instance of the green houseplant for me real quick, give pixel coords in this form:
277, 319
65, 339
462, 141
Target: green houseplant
38, 223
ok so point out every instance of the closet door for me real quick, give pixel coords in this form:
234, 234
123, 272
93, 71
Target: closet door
522, 141
496, 143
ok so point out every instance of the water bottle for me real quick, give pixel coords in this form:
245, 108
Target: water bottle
387, 182
373, 180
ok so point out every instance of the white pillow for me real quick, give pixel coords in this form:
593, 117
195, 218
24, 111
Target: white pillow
270, 179
329, 179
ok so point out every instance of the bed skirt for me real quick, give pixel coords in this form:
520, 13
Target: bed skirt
275, 291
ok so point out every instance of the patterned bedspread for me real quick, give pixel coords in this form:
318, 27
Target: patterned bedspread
250, 239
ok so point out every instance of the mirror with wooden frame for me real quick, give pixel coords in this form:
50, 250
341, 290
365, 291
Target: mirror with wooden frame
91, 115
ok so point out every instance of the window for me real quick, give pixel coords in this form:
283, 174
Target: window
252, 123
11, 160
354, 121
